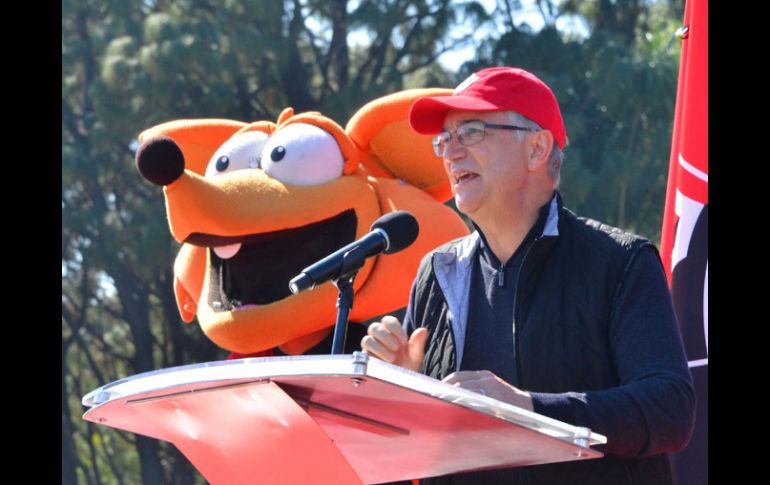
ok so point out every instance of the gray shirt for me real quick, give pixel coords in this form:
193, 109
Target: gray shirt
490, 333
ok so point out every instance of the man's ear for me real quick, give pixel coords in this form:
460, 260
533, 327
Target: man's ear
540, 145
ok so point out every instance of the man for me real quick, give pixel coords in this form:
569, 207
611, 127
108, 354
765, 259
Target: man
553, 313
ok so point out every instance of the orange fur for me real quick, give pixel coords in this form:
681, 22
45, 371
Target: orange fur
386, 167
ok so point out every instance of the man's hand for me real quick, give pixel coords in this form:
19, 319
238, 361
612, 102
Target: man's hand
387, 340
488, 384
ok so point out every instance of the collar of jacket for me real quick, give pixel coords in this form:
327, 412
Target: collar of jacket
453, 273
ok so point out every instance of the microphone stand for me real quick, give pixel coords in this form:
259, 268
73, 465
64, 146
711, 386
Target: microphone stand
344, 284
344, 304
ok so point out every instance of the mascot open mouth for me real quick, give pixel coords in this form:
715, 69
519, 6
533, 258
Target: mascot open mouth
260, 271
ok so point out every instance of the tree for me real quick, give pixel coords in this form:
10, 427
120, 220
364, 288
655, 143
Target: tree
616, 89
129, 65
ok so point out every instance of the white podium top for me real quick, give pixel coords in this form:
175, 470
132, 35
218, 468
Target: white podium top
387, 423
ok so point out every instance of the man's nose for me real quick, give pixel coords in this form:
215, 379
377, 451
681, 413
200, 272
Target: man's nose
454, 150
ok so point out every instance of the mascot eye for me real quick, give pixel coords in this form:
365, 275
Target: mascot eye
278, 153
239, 152
223, 163
302, 154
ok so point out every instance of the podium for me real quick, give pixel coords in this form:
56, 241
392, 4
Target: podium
334, 419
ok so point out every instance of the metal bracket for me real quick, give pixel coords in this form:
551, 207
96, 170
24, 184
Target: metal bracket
102, 397
360, 361
582, 437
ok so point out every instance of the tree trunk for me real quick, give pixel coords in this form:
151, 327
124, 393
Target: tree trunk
183, 473
134, 298
68, 451
622, 203
148, 449
339, 43
294, 77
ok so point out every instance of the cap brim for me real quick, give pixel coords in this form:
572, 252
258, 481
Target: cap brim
427, 114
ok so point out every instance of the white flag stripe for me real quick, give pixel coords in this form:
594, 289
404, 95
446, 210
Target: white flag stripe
698, 173
698, 363
688, 211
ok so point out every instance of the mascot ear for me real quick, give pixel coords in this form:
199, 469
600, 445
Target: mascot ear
389, 148
189, 271
198, 138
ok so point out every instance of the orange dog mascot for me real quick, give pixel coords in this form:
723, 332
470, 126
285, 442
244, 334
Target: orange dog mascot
255, 203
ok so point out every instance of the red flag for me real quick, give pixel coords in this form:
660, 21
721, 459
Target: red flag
684, 241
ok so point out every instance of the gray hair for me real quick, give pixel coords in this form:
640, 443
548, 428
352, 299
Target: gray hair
556, 157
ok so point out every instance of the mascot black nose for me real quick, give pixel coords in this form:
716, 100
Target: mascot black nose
160, 160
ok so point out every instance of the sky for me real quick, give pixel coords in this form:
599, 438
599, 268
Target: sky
529, 14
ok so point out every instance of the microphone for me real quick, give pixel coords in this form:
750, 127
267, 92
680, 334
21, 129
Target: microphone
389, 234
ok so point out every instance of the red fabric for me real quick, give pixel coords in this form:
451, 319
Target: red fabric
690, 137
684, 238
493, 89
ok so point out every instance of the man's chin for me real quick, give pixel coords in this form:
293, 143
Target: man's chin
467, 204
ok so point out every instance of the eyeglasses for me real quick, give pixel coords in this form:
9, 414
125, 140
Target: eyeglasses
468, 134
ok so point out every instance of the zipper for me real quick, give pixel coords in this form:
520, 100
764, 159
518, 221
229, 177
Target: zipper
515, 298
501, 276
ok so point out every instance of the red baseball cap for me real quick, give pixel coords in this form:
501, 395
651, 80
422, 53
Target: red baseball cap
493, 89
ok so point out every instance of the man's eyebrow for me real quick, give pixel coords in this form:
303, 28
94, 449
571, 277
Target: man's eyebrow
464, 122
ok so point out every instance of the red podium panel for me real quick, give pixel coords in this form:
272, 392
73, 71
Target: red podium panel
329, 419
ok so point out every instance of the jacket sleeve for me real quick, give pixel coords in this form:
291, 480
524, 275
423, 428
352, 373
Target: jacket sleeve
653, 408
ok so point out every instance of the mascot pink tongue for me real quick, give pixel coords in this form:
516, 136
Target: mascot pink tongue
254, 204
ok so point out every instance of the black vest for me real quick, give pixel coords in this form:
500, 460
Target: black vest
561, 316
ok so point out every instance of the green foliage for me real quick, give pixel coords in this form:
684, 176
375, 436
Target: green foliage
128, 65
618, 104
